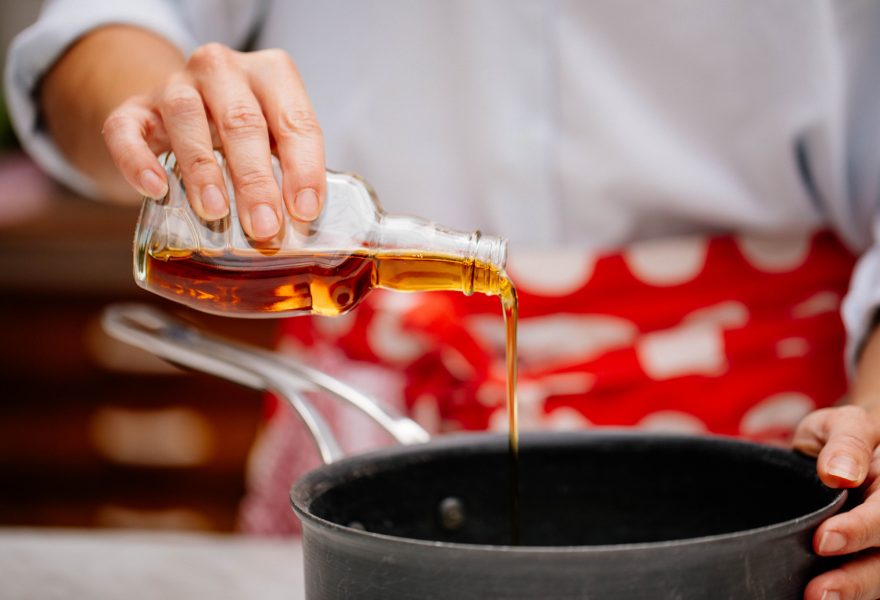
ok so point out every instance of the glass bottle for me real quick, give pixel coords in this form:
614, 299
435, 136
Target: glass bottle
325, 267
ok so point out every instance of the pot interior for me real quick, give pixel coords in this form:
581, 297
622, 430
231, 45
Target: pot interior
575, 489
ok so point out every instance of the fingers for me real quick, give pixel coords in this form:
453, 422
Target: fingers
844, 440
125, 133
858, 579
225, 98
242, 128
852, 531
294, 126
187, 124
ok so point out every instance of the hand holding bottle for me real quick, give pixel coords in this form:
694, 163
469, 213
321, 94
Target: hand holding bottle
246, 103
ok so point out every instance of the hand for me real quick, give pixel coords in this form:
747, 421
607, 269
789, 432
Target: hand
244, 102
845, 441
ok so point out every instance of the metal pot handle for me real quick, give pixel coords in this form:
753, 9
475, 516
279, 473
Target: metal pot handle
157, 332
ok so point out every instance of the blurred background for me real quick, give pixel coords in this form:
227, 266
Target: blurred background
93, 433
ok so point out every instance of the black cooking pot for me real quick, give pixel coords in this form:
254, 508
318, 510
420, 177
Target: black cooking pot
609, 515
613, 515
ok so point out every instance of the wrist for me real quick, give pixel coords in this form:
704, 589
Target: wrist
94, 76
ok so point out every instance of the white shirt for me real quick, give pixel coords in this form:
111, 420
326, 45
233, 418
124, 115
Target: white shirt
561, 122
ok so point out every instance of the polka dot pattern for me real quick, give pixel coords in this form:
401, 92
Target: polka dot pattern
689, 349
667, 262
781, 411
550, 273
775, 254
672, 421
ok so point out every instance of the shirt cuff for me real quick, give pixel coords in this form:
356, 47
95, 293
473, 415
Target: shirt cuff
38, 47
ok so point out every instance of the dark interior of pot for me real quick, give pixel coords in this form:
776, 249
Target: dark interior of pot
574, 489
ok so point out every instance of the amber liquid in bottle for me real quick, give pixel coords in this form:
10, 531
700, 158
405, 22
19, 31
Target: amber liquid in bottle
332, 284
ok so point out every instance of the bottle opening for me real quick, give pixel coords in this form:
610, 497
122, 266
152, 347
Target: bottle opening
491, 250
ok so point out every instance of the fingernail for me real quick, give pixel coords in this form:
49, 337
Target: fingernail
306, 205
844, 467
830, 595
213, 202
153, 185
264, 221
831, 541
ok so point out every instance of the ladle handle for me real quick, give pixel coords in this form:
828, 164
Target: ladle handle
158, 333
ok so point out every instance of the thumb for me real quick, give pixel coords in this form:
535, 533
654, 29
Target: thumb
843, 440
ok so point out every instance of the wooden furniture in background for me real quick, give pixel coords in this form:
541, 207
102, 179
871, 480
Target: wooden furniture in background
92, 432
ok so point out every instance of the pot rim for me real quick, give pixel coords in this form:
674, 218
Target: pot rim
304, 489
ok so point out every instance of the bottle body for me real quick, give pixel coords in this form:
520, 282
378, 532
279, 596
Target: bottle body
325, 267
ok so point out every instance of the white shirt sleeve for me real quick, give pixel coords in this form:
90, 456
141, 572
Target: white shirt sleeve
862, 301
851, 190
184, 23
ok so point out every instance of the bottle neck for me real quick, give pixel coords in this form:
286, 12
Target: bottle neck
488, 257
481, 258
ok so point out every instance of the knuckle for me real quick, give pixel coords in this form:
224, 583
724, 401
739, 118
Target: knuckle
209, 56
114, 123
242, 119
197, 163
854, 442
182, 101
255, 181
298, 123
277, 55
859, 529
